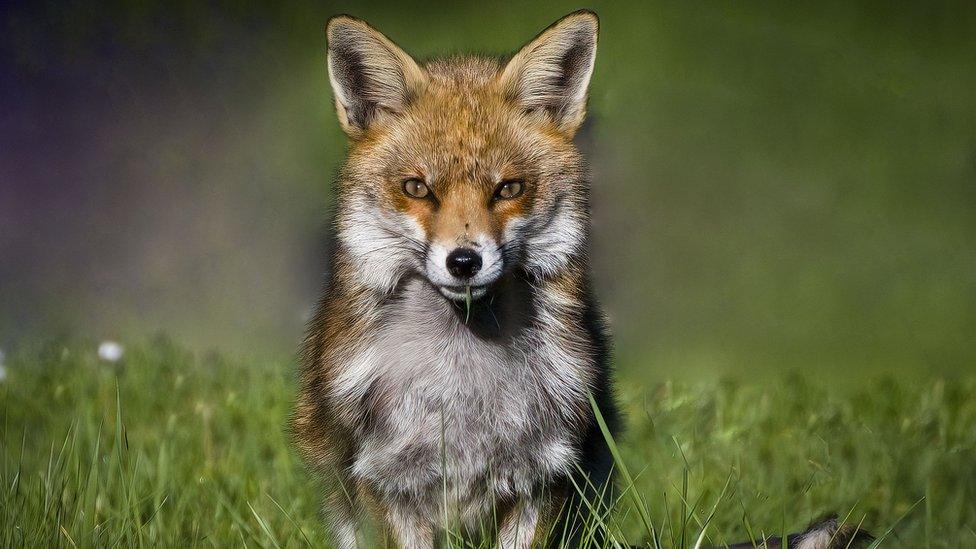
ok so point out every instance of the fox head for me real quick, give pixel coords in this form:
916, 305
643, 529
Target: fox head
461, 170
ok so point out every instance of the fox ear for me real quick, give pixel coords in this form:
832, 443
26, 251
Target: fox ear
370, 75
551, 73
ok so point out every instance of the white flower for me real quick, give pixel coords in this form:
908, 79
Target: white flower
110, 351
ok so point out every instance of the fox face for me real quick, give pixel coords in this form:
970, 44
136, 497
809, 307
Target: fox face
463, 169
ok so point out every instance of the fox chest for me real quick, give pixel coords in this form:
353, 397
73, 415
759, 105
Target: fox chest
479, 419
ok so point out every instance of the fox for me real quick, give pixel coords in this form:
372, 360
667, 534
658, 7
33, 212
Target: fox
453, 369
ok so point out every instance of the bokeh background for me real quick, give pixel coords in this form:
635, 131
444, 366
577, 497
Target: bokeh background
776, 185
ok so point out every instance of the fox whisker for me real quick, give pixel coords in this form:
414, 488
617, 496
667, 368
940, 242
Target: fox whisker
421, 244
394, 245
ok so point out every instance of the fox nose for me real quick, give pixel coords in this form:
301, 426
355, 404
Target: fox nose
463, 262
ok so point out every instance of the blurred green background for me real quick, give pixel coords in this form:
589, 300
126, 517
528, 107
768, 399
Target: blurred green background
776, 185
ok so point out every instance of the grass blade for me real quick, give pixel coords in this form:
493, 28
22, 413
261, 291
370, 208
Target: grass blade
624, 472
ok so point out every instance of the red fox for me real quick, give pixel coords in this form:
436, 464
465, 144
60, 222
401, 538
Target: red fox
446, 376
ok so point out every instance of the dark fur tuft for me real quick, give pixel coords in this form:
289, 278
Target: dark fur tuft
826, 533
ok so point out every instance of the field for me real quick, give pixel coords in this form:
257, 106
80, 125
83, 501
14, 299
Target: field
784, 212
169, 448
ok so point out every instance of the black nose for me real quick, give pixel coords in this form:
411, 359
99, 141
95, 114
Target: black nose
463, 262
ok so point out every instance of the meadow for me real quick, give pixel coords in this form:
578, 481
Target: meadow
170, 448
783, 230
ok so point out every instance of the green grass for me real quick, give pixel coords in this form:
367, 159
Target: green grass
167, 448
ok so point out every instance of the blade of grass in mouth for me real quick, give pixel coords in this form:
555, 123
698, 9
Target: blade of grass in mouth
467, 303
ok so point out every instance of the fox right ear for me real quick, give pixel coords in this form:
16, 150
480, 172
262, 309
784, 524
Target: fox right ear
552, 72
370, 75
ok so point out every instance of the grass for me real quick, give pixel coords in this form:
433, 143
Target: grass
168, 448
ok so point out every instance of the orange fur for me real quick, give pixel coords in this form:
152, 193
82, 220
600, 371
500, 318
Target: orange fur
463, 126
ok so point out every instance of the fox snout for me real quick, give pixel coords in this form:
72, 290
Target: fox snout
466, 267
463, 263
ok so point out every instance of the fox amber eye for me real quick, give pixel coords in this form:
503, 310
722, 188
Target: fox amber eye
416, 188
509, 189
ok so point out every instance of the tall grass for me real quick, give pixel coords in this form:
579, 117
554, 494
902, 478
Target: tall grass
167, 448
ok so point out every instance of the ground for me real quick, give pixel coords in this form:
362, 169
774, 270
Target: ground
171, 448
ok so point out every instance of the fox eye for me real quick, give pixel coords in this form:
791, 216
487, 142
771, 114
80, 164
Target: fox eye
416, 188
509, 189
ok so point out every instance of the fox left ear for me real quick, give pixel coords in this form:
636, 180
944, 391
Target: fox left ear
370, 75
552, 72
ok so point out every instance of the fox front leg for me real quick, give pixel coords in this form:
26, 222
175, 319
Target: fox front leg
341, 518
518, 529
408, 530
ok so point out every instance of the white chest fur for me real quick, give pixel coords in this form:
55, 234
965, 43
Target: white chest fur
439, 410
